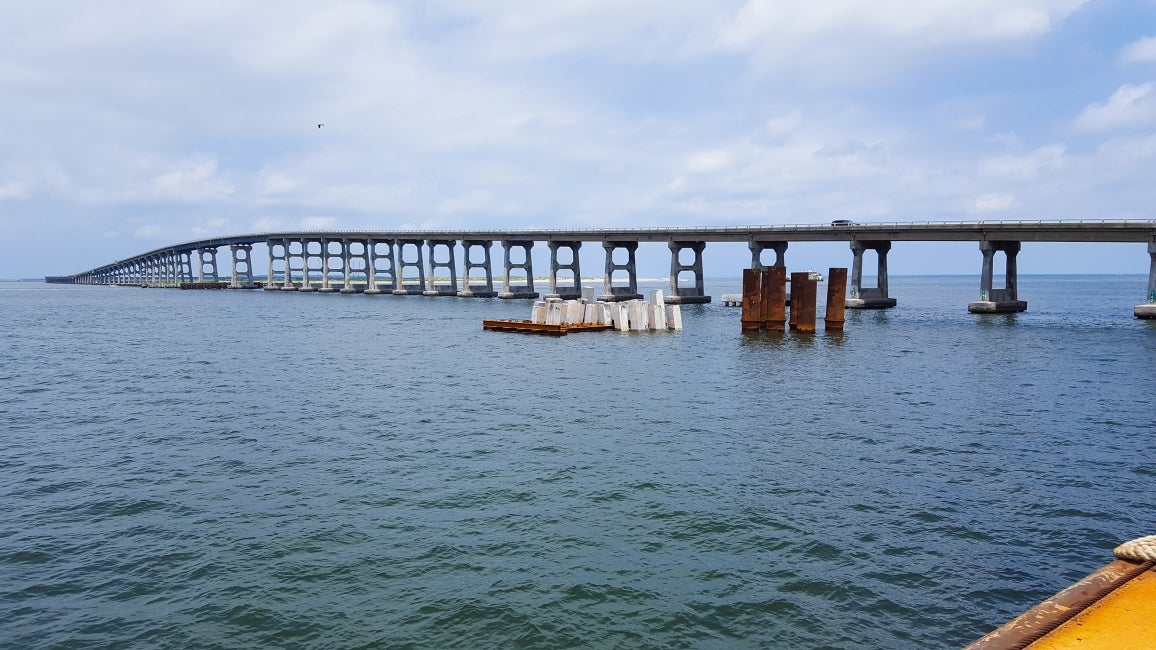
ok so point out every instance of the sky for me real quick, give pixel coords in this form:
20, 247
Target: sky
130, 125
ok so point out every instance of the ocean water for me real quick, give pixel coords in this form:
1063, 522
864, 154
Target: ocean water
246, 469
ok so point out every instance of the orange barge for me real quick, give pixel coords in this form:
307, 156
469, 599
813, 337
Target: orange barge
530, 327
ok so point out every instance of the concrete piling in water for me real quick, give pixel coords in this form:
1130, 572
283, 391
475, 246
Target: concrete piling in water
803, 297
836, 300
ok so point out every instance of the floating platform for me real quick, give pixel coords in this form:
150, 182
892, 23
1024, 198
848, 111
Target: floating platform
530, 327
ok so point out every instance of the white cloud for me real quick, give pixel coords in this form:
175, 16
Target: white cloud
1140, 51
989, 203
1024, 167
1129, 107
192, 180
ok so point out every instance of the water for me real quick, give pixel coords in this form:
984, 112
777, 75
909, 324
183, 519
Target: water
252, 469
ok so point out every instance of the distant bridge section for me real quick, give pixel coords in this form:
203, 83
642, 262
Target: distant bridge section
405, 262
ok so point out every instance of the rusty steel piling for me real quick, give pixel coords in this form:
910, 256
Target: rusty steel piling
804, 292
752, 316
836, 300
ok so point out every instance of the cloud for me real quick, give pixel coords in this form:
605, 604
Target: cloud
1140, 51
848, 38
989, 203
1130, 106
192, 180
1024, 167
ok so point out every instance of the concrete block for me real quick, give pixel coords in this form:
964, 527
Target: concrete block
555, 313
658, 317
1146, 312
592, 315
657, 299
674, 317
538, 312
575, 312
588, 294
621, 316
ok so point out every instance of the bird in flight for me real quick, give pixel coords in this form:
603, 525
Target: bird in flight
320, 125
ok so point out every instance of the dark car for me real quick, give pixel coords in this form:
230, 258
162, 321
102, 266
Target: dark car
843, 222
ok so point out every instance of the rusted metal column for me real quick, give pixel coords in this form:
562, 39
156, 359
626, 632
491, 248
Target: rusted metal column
752, 315
774, 296
836, 300
803, 296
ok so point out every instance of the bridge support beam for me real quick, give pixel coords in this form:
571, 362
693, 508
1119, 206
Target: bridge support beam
686, 295
207, 267
470, 290
242, 275
869, 297
350, 269
404, 289
380, 256
510, 291
757, 248
432, 288
1148, 310
278, 252
620, 293
290, 256
574, 290
992, 301
310, 263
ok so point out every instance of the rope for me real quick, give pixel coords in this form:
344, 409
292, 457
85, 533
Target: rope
1137, 550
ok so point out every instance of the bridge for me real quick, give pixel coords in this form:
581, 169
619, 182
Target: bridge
408, 262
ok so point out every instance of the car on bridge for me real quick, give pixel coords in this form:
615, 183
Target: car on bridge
843, 222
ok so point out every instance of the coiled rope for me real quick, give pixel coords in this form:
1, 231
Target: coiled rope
1137, 550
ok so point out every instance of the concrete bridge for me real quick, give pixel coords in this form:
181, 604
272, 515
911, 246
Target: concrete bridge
407, 262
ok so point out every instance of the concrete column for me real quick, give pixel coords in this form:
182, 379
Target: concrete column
382, 263
481, 290
618, 293
326, 269
993, 300
242, 271
404, 289
869, 297
1148, 310
687, 295
207, 264
574, 290
307, 267
273, 245
518, 291
432, 288
287, 282
346, 268
757, 248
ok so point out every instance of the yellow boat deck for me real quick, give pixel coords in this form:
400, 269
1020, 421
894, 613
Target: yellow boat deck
1111, 609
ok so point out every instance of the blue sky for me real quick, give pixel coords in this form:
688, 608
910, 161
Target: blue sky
130, 125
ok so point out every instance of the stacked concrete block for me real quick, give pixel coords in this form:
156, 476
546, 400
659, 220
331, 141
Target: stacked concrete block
625, 316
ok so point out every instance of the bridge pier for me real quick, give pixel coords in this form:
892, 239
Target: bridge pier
310, 263
621, 293
208, 262
349, 269
242, 273
992, 301
404, 289
432, 288
327, 257
686, 295
381, 262
869, 297
290, 257
278, 252
1148, 309
574, 291
510, 291
757, 248
470, 290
